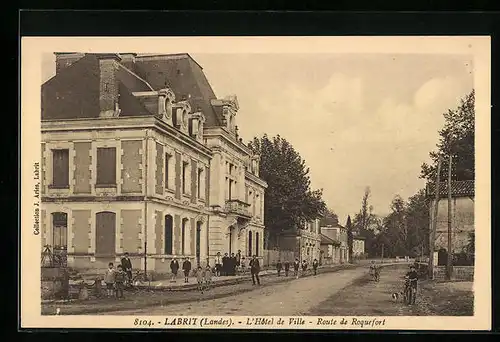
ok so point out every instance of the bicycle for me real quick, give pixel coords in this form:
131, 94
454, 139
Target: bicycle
375, 274
410, 291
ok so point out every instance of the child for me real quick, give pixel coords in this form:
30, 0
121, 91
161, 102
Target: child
199, 277
287, 268
278, 267
109, 279
208, 277
243, 263
120, 276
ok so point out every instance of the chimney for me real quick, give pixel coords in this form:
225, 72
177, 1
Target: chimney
65, 59
108, 83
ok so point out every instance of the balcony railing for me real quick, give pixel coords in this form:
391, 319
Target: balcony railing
238, 207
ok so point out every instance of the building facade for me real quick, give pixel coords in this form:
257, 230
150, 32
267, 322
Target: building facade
133, 153
337, 233
305, 242
462, 216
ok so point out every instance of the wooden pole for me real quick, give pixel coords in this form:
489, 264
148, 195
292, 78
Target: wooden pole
434, 222
449, 264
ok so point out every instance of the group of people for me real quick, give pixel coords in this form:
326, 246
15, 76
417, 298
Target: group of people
228, 265
296, 266
117, 278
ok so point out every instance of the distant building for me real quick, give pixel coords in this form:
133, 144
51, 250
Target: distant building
305, 242
462, 223
358, 246
337, 233
328, 250
140, 156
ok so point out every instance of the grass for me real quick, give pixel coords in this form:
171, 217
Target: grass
368, 298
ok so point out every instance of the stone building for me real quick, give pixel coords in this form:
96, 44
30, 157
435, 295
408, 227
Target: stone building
462, 218
337, 233
135, 150
305, 242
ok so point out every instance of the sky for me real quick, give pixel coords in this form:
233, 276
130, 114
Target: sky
357, 120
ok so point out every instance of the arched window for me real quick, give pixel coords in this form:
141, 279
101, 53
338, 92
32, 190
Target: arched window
249, 243
168, 235
59, 231
105, 227
168, 107
183, 235
257, 244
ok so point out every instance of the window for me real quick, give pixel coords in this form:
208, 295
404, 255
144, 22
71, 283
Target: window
167, 170
183, 236
174, 117
106, 166
257, 244
257, 204
230, 189
168, 234
250, 243
184, 177
60, 231
60, 168
199, 182
105, 244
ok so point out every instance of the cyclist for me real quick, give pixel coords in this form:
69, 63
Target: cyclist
412, 279
374, 270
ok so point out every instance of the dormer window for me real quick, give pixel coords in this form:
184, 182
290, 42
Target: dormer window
168, 108
185, 118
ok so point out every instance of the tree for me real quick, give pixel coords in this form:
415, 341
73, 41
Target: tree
417, 221
350, 237
365, 223
395, 228
329, 219
457, 139
289, 202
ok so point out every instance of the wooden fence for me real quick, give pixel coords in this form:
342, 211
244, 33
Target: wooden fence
270, 257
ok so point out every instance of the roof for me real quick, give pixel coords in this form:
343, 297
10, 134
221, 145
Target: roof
458, 189
325, 240
63, 98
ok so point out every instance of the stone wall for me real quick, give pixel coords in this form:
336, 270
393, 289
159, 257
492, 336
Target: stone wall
464, 273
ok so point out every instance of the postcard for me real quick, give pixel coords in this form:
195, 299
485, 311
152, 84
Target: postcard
330, 183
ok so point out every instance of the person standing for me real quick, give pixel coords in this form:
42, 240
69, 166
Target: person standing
315, 266
200, 276
232, 265
287, 268
109, 279
207, 277
174, 268
238, 259
304, 268
255, 269
279, 266
296, 266
120, 277
225, 262
186, 267
218, 264
127, 267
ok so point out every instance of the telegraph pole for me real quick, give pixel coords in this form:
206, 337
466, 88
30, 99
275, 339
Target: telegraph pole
449, 261
432, 235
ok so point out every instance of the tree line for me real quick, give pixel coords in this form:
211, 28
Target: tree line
290, 201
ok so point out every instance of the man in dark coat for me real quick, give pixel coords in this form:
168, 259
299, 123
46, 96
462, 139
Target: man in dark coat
232, 264
279, 266
255, 269
186, 267
174, 267
287, 268
315, 266
225, 264
127, 267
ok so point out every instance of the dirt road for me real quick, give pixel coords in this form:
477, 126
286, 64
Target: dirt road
297, 297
